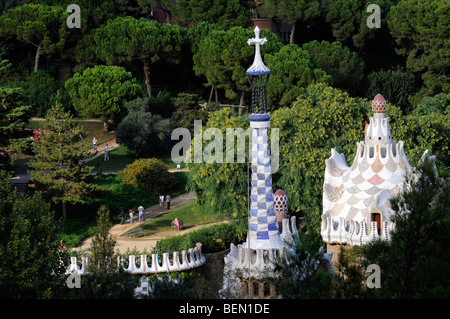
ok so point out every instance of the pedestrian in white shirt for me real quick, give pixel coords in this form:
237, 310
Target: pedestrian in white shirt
141, 213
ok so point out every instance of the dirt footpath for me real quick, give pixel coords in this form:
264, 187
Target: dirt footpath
120, 232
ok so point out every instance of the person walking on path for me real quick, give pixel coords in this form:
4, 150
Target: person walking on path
106, 153
168, 200
122, 216
131, 215
161, 201
141, 213
94, 144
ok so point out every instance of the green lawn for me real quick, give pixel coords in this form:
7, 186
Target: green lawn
183, 212
118, 159
91, 128
122, 156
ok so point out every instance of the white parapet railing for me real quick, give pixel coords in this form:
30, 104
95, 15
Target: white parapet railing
190, 259
358, 233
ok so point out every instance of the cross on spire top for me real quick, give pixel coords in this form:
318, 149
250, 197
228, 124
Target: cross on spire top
258, 67
257, 40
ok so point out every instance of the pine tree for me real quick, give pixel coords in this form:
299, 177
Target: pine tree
105, 280
42, 26
102, 246
57, 170
12, 119
291, 11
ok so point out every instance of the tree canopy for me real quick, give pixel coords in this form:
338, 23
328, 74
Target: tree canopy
345, 67
421, 29
224, 12
13, 115
292, 70
291, 11
102, 91
42, 26
125, 38
140, 130
223, 57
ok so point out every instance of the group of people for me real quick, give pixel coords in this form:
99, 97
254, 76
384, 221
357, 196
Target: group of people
131, 212
94, 145
167, 199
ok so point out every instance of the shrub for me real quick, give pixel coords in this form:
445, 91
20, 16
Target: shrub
150, 174
439, 103
140, 130
162, 104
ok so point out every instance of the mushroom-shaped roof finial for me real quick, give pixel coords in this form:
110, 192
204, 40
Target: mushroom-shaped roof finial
280, 201
379, 104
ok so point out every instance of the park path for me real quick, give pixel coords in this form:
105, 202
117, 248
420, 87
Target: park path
119, 232
112, 144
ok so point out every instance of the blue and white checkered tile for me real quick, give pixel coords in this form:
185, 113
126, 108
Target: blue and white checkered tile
263, 225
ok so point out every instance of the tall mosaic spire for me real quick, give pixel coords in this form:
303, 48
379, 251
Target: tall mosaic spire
254, 258
263, 227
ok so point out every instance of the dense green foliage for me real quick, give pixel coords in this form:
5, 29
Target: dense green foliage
42, 26
188, 109
140, 130
13, 115
299, 276
223, 12
291, 11
397, 86
102, 91
150, 174
419, 27
102, 246
28, 245
40, 90
292, 70
345, 66
125, 38
348, 19
220, 187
